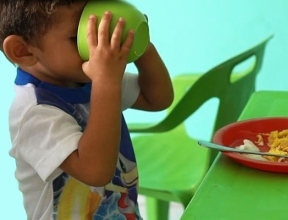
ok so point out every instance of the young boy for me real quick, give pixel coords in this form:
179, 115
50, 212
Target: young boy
70, 141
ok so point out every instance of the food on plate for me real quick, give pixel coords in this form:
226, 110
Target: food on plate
277, 141
249, 145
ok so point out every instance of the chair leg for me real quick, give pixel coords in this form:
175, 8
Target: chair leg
157, 209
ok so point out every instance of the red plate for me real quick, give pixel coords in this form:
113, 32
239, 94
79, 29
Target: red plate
233, 135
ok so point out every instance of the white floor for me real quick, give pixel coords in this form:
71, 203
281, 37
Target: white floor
176, 210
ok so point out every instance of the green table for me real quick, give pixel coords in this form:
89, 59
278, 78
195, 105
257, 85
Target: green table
231, 191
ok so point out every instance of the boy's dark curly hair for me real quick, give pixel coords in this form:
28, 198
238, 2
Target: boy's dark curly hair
27, 18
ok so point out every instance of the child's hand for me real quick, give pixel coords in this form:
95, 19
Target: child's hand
107, 58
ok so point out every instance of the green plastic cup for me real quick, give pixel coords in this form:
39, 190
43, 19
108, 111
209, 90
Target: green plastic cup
135, 20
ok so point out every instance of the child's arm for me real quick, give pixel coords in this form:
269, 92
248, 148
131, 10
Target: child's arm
94, 162
156, 92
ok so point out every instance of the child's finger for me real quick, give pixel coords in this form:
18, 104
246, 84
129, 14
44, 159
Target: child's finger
103, 29
117, 34
91, 31
127, 45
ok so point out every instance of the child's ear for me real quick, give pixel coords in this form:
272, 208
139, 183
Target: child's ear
18, 51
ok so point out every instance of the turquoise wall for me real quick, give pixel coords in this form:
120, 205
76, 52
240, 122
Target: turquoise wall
192, 36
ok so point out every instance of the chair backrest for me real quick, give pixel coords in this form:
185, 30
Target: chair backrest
233, 91
217, 82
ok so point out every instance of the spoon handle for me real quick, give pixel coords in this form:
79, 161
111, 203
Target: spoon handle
231, 149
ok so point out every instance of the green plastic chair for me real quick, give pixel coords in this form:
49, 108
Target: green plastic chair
171, 164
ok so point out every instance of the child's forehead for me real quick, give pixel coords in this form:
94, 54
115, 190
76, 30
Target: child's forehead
68, 16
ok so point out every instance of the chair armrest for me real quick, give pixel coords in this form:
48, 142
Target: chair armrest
180, 85
146, 128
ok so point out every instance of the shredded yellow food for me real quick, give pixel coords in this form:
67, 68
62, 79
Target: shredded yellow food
278, 143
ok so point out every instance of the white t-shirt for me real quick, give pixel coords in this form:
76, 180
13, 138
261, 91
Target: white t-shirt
46, 123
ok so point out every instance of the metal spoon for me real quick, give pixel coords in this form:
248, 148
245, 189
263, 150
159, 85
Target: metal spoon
231, 149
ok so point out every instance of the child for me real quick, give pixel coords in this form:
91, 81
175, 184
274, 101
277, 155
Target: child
70, 141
